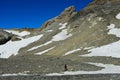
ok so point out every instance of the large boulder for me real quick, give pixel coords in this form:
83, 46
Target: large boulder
4, 36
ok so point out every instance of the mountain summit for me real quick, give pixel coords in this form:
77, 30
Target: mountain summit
86, 41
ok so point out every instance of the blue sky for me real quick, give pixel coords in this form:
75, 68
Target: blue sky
33, 13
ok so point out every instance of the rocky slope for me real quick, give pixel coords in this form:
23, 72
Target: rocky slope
78, 39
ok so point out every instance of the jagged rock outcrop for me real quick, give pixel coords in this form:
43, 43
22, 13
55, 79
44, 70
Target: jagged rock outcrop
65, 16
47, 24
4, 37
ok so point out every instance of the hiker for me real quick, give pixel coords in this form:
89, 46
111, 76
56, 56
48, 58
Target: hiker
65, 67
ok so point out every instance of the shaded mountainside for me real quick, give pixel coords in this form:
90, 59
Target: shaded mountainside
77, 39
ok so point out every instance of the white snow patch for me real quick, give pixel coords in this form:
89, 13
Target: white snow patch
61, 36
113, 30
62, 25
12, 48
107, 69
110, 50
33, 48
36, 47
47, 43
40, 53
23, 33
58, 37
111, 26
118, 16
72, 51
86, 48
55, 74
49, 30
16, 74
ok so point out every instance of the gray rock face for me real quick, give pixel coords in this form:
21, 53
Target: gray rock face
4, 37
99, 8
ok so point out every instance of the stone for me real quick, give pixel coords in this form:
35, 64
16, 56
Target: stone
4, 37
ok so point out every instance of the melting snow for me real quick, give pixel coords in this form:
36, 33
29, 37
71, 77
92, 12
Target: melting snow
113, 30
118, 16
62, 25
108, 68
23, 33
40, 53
111, 26
12, 48
110, 50
61, 36
86, 48
19, 74
72, 51
33, 48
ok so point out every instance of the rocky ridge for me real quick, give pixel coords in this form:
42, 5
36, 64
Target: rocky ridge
65, 16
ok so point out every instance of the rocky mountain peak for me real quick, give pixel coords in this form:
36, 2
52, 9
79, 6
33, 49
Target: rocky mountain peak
70, 8
68, 11
64, 16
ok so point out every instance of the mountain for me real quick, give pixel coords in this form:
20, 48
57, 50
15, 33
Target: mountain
86, 41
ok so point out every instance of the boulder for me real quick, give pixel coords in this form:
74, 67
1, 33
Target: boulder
4, 36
